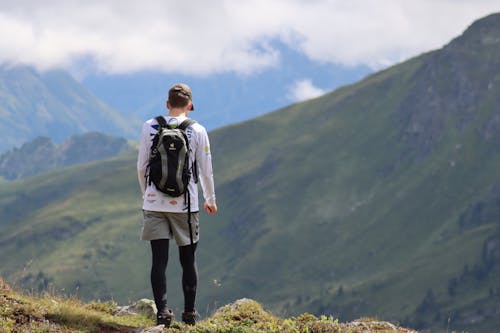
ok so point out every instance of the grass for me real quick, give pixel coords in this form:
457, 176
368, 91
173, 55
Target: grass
247, 316
51, 313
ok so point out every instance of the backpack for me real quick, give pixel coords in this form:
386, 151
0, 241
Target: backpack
169, 167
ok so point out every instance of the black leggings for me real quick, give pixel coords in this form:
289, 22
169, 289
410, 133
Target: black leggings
159, 249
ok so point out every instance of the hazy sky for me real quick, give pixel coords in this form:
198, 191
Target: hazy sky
204, 37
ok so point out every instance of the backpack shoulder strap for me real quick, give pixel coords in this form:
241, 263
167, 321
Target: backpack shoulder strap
161, 121
186, 123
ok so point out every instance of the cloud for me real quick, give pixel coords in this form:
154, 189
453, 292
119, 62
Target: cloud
304, 89
243, 36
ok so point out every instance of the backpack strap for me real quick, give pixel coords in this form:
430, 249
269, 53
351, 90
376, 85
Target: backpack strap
189, 221
194, 168
161, 121
183, 126
186, 123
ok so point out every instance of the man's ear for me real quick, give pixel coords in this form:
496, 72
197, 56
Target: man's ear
167, 104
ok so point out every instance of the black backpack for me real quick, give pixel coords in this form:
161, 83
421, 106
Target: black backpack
169, 167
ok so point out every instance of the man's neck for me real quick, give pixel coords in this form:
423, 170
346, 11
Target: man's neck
177, 112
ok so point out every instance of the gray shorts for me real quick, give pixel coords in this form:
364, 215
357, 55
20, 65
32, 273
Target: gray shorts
166, 225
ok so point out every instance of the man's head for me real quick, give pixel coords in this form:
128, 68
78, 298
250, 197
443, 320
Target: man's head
179, 96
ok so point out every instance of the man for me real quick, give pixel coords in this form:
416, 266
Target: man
166, 217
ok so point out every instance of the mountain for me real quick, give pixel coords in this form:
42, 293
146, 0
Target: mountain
381, 198
52, 104
41, 154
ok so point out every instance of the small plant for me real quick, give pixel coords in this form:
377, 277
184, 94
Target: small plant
105, 307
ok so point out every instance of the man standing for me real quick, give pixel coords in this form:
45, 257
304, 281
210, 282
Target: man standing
166, 217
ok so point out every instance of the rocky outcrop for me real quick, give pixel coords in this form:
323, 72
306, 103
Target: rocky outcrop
451, 86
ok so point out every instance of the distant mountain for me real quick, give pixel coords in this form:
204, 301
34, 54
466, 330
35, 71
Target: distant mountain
379, 199
42, 155
222, 99
53, 104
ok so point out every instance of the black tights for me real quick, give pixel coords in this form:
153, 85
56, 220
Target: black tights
159, 249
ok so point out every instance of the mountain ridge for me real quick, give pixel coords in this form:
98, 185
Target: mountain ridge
42, 155
52, 104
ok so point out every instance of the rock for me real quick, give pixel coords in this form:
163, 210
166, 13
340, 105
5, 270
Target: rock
143, 306
236, 304
368, 325
153, 329
233, 306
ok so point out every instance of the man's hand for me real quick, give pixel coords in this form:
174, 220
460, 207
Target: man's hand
212, 210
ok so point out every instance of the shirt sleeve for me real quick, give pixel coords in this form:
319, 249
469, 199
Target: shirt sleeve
205, 172
143, 157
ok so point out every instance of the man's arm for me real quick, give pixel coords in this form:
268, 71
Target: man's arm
143, 158
205, 172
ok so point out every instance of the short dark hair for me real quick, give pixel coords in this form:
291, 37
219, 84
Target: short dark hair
178, 101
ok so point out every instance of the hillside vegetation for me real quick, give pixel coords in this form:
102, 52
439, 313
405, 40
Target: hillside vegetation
50, 313
380, 199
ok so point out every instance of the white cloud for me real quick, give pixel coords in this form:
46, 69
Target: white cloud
304, 89
203, 37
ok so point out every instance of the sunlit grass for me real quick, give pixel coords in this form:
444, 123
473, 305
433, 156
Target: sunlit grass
47, 312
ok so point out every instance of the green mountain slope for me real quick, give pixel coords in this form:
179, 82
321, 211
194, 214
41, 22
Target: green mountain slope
381, 198
52, 104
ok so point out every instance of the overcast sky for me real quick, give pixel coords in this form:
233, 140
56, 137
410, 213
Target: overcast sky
242, 36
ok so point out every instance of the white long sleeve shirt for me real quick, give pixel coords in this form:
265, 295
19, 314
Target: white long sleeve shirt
155, 200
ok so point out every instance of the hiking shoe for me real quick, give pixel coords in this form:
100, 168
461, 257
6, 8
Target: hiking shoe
165, 317
189, 318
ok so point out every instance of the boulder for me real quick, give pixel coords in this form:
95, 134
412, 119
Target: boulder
143, 306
